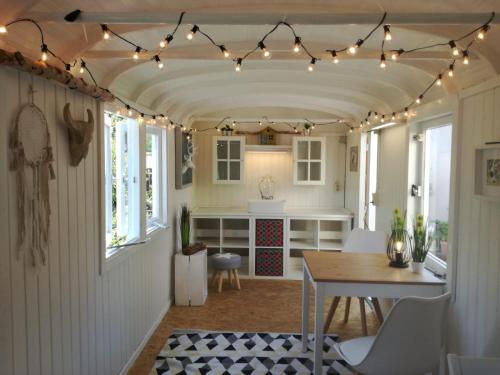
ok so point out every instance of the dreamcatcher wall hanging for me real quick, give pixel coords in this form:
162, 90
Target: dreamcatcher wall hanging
31, 161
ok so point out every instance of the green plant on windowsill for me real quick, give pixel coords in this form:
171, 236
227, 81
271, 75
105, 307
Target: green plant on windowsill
421, 240
440, 234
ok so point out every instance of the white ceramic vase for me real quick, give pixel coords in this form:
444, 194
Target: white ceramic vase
417, 267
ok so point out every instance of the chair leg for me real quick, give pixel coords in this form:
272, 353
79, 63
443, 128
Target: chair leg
331, 313
229, 278
363, 315
221, 278
347, 308
378, 311
237, 279
214, 277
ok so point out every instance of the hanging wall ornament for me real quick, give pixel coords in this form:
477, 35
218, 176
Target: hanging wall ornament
80, 135
31, 161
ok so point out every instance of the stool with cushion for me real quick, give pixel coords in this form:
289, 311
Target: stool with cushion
226, 262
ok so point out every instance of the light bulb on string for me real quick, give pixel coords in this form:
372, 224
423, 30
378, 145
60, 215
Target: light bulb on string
361, 124
83, 66
224, 51
45, 51
454, 48
158, 61
387, 33
192, 32
233, 124
406, 112
465, 55
296, 44
450, 71
482, 33
311, 64
382, 61
3, 29
335, 57
265, 51
439, 80
395, 54
105, 32
419, 99
165, 42
393, 116
153, 120
383, 118
137, 52
350, 130
376, 115
129, 110
260, 123
238, 64
354, 48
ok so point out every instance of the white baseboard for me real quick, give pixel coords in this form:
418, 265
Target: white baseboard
146, 338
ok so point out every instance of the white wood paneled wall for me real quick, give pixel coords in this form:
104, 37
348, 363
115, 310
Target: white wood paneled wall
276, 164
476, 312
65, 318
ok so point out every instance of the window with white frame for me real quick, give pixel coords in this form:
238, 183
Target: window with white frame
134, 181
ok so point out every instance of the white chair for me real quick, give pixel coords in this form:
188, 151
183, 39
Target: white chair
360, 241
473, 365
409, 341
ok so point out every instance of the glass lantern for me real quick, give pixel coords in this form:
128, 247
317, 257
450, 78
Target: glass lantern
266, 187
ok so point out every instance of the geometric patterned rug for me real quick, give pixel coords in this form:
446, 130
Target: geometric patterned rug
225, 353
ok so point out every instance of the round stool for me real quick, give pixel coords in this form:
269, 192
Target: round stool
226, 262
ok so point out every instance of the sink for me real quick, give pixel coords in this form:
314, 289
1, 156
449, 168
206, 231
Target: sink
266, 206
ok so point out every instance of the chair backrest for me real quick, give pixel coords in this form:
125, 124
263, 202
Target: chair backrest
473, 365
410, 339
365, 241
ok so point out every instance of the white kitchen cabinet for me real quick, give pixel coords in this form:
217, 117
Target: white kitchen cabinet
309, 154
228, 160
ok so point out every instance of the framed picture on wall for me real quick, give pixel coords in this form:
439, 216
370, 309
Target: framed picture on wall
353, 159
184, 164
487, 171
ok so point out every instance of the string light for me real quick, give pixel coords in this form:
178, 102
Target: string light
482, 33
406, 112
450, 70
158, 61
382, 61
454, 49
393, 116
105, 32
419, 99
353, 49
238, 64
83, 66
137, 52
350, 130
165, 42
311, 64
465, 55
45, 51
387, 33
3, 29
395, 54
296, 45
265, 52
376, 115
129, 110
224, 51
383, 118
439, 80
192, 32
335, 57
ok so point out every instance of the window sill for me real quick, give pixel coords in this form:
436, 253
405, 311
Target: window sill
436, 265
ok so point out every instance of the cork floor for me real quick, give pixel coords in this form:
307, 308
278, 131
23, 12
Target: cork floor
260, 305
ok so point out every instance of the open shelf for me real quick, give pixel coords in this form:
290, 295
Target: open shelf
303, 244
330, 244
236, 242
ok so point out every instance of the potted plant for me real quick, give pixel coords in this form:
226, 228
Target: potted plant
421, 244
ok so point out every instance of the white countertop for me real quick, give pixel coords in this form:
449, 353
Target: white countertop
339, 213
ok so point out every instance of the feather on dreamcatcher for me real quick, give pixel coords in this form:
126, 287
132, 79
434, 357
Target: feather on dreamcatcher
31, 152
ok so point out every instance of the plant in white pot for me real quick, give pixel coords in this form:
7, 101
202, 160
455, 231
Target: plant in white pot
421, 244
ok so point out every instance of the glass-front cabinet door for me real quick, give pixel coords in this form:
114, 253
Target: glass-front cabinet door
309, 160
228, 160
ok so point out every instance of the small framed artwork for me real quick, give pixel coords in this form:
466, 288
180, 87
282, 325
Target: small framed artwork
353, 159
487, 172
184, 163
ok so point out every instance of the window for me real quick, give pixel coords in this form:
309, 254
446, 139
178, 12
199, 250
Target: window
154, 209
128, 196
437, 164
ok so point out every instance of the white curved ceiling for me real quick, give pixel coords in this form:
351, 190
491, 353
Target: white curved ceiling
197, 82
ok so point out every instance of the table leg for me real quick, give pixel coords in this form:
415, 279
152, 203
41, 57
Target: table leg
318, 329
305, 310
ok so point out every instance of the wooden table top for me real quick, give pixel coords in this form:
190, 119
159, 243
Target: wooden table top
326, 266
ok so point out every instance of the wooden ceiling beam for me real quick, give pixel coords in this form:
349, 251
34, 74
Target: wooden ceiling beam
270, 18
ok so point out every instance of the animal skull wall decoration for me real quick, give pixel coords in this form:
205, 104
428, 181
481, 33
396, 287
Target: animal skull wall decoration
80, 135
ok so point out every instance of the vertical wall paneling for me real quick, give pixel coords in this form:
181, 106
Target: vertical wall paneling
67, 317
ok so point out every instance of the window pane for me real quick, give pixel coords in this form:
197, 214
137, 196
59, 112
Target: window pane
303, 150
222, 150
302, 171
222, 170
235, 150
316, 150
234, 170
152, 177
437, 185
315, 171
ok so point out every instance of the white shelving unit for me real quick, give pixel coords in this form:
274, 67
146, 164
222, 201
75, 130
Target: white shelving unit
234, 230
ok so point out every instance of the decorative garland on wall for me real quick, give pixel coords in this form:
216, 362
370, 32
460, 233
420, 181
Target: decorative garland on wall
476, 34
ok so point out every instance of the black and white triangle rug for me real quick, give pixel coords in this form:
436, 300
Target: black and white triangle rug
227, 353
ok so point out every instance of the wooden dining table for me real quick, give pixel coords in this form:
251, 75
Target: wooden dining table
360, 275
